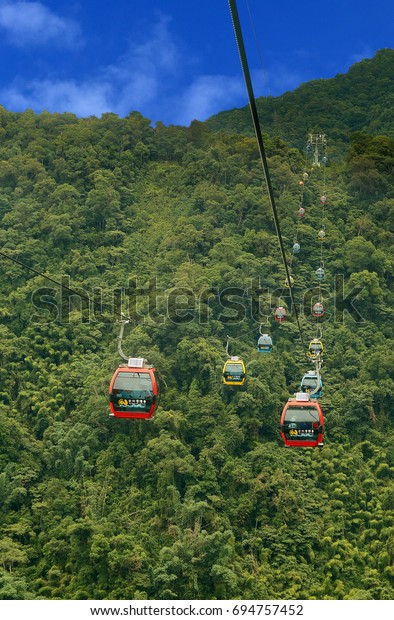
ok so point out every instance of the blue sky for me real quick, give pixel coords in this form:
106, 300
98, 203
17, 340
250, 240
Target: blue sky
175, 60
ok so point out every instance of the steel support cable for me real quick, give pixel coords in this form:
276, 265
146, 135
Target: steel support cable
321, 266
259, 137
120, 338
39, 273
123, 321
323, 205
258, 46
67, 288
60, 284
318, 376
78, 293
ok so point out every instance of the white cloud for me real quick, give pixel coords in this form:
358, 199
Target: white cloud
86, 99
153, 78
146, 71
134, 83
137, 82
32, 23
281, 78
207, 95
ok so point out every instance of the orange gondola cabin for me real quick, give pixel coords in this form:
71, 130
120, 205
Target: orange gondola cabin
134, 391
302, 422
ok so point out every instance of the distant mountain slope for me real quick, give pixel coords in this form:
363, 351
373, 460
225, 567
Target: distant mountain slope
360, 100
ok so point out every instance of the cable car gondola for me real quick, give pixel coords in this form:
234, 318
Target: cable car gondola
280, 314
234, 371
264, 344
134, 387
320, 273
317, 309
302, 422
311, 384
286, 282
315, 349
133, 391
296, 248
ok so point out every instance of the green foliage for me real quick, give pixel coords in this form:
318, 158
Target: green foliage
359, 101
203, 501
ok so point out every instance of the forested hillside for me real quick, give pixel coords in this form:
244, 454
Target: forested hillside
203, 501
339, 106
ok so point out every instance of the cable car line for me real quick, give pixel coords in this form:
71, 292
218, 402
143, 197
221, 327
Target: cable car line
39, 273
301, 210
258, 48
134, 388
257, 128
302, 421
125, 321
318, 308
64, 286
227, 345
319, 384
61, 285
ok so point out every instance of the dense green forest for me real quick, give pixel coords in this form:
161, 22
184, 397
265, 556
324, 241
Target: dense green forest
203, 501
341, 106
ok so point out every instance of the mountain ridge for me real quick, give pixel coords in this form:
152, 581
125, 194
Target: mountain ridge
341, 105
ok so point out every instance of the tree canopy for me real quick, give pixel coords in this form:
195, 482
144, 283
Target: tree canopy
172, 225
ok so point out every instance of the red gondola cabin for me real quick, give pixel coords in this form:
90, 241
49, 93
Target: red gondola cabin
133, 391
302, 422
318, 309
280, 314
